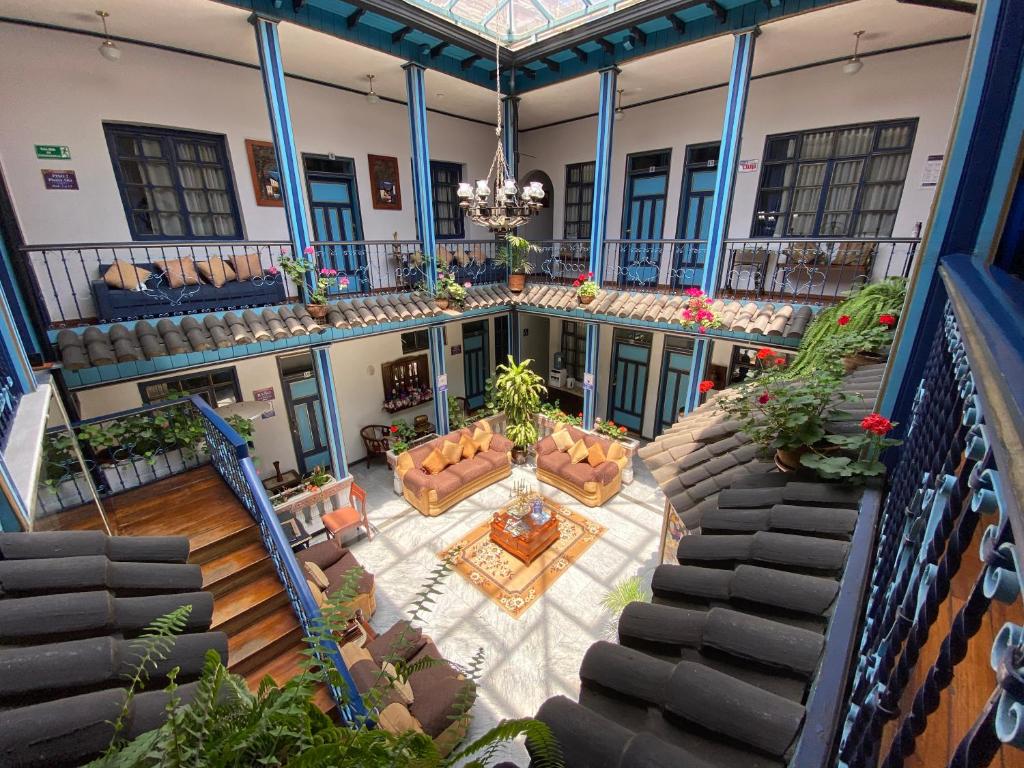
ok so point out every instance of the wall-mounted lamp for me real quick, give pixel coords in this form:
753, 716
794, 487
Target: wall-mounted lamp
854, 64
108, 48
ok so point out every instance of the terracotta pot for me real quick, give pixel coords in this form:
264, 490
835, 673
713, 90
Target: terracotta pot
441, 303
584, 300
519, 455
516, 282
317, 311
852, 362
788, 460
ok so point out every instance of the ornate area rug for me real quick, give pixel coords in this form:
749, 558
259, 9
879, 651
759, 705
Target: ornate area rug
505, 579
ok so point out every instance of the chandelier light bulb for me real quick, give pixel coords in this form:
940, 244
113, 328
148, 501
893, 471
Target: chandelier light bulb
108, 48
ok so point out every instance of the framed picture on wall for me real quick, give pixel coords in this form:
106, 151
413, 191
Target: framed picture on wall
266, 180
387, 192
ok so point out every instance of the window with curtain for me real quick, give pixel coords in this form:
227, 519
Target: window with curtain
834, 182
579, 200
175, 185
574, 348
444, 183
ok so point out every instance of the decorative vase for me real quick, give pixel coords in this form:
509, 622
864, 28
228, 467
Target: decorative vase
441, 303
788, 459
317, 311
584, 300
517, 282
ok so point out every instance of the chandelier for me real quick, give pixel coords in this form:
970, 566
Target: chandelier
511, 206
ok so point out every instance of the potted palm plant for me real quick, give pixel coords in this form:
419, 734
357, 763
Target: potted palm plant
518, 390
514, 256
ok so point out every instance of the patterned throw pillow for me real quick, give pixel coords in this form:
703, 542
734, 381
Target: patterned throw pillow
595, 456
563, 440
579, 451
434, 463
452, 451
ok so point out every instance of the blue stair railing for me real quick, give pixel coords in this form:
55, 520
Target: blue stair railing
229, 454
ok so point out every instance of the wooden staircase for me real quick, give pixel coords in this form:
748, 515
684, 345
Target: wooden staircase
250, 604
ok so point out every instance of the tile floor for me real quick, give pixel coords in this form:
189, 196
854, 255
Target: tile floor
537, 656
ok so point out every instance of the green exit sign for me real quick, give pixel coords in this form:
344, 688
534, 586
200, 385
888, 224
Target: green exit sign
52, 152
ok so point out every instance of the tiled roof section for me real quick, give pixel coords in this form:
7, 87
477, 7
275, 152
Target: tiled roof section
703, 452
144, 340
715, 672
783, 320
73, 604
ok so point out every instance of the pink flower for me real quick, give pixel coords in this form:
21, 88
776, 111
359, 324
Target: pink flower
701, 329
764, 398
272, 271
308, 250
467, 284
687, 314
694, 292
325, 272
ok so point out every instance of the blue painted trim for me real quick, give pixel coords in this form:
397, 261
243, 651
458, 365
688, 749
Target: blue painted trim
966, 186
14, 350
329, 405
19, 307
510, 136
728, 156
590, 367
14, 512
272, 73
438, 369
602, 169
698, 365
422, 193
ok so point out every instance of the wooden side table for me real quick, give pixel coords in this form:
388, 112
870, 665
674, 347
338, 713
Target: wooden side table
526, 546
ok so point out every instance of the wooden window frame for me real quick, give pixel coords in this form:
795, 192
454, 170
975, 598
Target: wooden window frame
582, 225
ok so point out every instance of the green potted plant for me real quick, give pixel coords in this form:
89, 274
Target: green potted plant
514, 256
448, 291
298, 268
859, 346
518, 392
586, 288
859, 457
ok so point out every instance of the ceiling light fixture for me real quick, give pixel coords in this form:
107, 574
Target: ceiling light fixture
618, 108
854, 64
108, 48
629, 42
372, 96
511, 206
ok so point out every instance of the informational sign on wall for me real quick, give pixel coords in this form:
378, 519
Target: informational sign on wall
265, 395
456, 349
932, 170
442, 382
748, 166
53, 152
57, 179
588, 381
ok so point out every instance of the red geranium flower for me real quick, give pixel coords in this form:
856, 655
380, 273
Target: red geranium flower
579, 415
780, 361
764, 398
843, 320
706, 386
876, 423
887, 319
394, 428
764, 353
622, 430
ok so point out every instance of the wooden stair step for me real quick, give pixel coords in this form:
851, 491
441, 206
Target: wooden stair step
283, 668
235, 567
263, 640
243, 605
207, 545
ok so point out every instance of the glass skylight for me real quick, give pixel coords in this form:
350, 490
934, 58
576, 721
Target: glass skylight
531, 20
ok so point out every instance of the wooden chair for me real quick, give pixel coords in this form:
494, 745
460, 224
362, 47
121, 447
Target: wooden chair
337, 521
376, 441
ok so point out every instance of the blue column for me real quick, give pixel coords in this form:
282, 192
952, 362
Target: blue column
424, 203
599, 216
698, 364
728, 156
272, 72
972, 198
510, 134
329, 405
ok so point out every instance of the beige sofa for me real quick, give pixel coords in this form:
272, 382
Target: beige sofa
432, 494
591, 485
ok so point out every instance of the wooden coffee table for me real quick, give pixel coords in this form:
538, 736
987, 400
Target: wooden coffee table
528, 545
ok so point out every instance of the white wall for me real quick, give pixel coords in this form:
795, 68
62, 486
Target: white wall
56, 89
920, 83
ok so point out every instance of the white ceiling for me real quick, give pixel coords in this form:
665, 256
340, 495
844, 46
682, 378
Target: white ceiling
221, 30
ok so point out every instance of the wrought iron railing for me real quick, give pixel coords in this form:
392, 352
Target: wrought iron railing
230, 456
371, 266
945, 484
472, 261
809, 271
71, 290
558, 261
649, 265
10, 395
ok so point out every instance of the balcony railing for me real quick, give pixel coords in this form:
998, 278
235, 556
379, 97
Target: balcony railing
809, 271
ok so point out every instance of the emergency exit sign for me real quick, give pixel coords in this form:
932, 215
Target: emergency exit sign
52, 152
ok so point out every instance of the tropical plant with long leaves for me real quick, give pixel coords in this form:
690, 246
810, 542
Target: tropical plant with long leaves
518, 390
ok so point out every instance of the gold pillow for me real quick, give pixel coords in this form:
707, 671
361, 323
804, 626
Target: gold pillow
469, 448
482, 438
179, 272
395, 718
563, 440
452, 451
318, 594
317, 575
216, 271
247, 266
402, 688
615, 452
579, 451
595, 456
434, 463
121, 274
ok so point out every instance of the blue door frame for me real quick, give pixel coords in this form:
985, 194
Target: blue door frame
631, 359
643, 216
694, 220
306, 419
475, 363
676, 366
334, 210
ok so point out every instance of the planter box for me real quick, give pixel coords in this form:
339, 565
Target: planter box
66, 494
132, 473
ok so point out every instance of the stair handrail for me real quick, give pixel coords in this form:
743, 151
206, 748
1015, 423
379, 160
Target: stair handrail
229, 454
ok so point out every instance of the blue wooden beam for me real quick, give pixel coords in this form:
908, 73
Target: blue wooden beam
272, 73
330, 406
